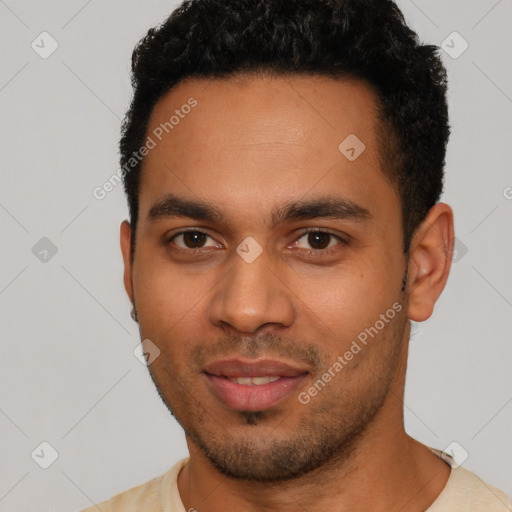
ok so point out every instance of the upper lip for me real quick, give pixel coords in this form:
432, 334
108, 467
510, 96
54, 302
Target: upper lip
237, 367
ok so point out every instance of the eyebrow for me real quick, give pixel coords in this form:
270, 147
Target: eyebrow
174, 206
328, 207
337, 208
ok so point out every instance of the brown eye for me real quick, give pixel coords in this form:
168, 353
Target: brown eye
317, 240
192, 240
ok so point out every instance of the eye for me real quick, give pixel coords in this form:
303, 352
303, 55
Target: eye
318, 240
193, 239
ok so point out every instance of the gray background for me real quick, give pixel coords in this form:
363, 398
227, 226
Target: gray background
68, 373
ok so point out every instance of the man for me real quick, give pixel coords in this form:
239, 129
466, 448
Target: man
283, 162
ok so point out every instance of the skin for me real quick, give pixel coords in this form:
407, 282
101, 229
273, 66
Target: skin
251, 145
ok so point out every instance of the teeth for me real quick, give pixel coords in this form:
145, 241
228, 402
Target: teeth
253, 381
263, 380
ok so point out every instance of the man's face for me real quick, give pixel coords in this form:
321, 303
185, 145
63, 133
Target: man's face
247, 291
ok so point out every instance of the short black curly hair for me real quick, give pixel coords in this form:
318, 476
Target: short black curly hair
363, 39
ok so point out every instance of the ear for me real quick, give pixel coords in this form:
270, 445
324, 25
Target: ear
430, 261
126, 249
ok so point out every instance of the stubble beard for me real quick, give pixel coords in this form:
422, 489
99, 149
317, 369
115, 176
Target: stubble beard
322, 439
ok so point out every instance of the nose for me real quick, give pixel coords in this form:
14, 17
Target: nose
251, 297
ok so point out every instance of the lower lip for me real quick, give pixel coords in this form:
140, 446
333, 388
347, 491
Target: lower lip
254, 398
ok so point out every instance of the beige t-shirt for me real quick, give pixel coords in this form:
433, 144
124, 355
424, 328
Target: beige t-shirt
464, 492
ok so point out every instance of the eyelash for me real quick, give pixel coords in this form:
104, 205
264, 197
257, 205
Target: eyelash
323, 252
315, 252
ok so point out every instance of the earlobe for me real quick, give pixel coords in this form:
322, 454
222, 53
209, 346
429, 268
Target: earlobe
430, 261
126, 241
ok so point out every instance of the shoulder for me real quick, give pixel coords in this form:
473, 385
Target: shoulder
477, 494
467, 492
147, 497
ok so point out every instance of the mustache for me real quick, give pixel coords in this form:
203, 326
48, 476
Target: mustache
252, 347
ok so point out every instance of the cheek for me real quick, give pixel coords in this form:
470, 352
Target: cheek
348, 300
167, 297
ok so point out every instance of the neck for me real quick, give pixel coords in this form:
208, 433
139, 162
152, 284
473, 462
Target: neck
383, 471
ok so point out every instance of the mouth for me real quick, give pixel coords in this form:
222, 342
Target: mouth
253, 381
246, 385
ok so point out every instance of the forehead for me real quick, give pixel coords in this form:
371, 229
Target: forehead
264, 140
